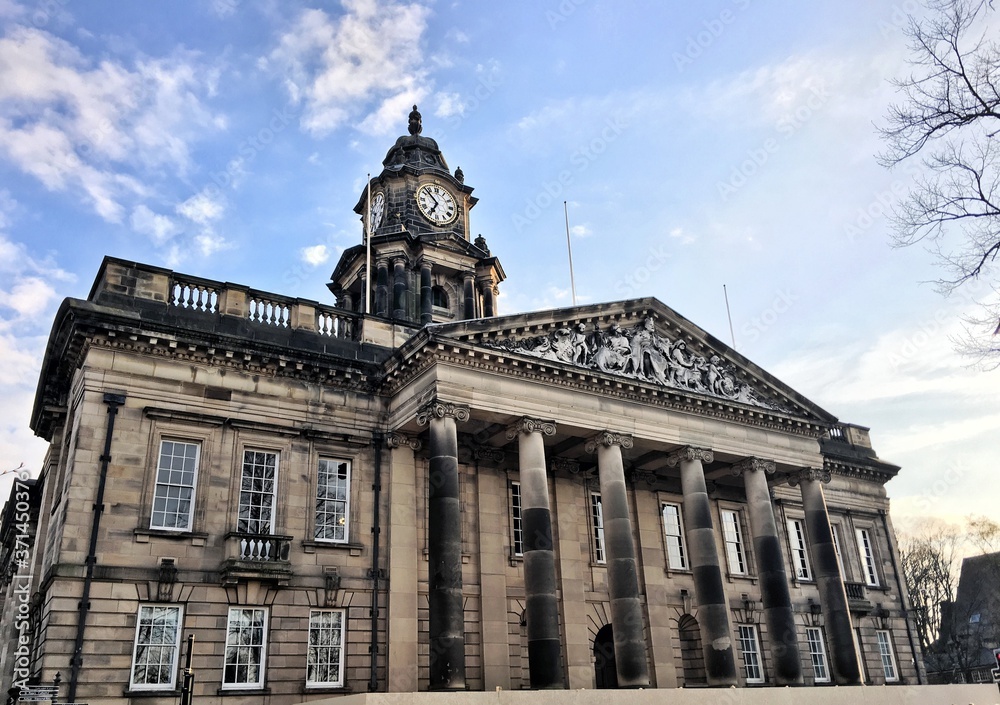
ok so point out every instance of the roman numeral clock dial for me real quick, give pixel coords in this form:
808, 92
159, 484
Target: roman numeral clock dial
436, 203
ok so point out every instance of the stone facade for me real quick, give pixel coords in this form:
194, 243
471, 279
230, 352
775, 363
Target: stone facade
332, 501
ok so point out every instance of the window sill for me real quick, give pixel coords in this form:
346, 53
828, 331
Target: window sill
165, 693
752, 579
667, 570
251, 690
311, 547
322, 689
197, 538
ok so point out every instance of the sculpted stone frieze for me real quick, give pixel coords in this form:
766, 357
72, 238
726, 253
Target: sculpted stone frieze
640, 353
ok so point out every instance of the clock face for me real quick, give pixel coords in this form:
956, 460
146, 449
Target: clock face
378, 210
436, 203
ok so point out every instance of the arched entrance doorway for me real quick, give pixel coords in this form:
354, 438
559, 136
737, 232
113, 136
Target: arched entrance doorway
606, 671
692, 655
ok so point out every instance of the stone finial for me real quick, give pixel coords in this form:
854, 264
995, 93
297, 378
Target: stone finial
416, 125
809, 475
608, 439
441, 409
690, 453
480, 242
526, 424
751, 464
459, 175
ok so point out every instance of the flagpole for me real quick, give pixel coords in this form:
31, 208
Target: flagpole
368, 246
729, 316
569, 248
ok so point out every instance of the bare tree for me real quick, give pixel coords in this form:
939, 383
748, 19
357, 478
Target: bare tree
950, 102
929, 561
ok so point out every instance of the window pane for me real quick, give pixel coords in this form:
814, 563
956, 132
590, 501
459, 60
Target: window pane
751, 654
867, 552
597, 516
324, 659
673, 531
257, 492
332, 505
173, 496
817, 654
154, 659
797, 540
734, 542
245, 641
515, 518
888, 658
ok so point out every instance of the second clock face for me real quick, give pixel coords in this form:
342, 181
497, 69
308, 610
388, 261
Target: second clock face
377, 210
436, 203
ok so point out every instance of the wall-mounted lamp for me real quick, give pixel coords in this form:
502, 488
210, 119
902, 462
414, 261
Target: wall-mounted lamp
746, 613
815, 612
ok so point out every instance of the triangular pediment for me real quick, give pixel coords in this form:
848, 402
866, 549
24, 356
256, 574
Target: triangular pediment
643, 341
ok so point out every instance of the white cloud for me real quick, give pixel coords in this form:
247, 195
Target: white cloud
208, 243
158, 227
449, 104
29, 297
202, 208
581, 230
337, 67
88, 127
682, 237
315, 255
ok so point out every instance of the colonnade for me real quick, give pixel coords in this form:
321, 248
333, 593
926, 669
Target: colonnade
446, 637
392, 288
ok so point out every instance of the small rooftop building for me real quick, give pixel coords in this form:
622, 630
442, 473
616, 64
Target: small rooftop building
408, 490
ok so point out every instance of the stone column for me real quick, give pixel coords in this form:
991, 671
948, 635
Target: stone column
399, 288
446, 631
403, 553
623, 574
710, 593
775, 595
829, 581
494, 511
469, 294
486, 287
382, 288
572, 530
426, 294
361, 295
541, 606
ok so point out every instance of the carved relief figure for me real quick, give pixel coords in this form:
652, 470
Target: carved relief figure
640, 353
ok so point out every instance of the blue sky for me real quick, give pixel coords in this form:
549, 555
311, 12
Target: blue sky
698, 145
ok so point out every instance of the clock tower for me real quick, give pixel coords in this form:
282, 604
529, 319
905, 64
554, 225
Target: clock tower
424, 266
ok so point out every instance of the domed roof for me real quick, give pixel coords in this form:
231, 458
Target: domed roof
415, 150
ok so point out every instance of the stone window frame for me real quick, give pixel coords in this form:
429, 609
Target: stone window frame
160, 431
887, 655
316, 456
339, 683
798, 555
664, 499
749, 634
818, 654
285, 461
156, 687
262, 679
744, 544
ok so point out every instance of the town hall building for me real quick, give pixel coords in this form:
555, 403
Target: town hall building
407, 489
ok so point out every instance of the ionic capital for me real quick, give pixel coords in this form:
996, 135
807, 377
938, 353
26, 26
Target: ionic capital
526, 424
565, 465
398, 440
488, 453
441, 409
809, 475
608, 439
688, 454
752, 464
